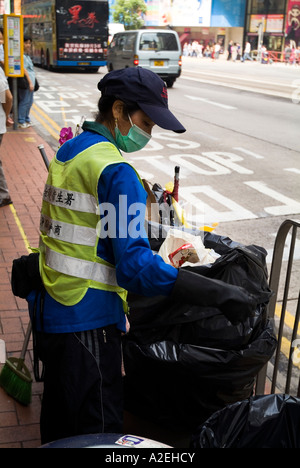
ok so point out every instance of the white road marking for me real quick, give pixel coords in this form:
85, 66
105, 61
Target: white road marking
249, 153
208, 101
198, 212
292, 169
289, 206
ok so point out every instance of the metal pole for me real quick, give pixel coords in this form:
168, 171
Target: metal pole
15, 102
44, 156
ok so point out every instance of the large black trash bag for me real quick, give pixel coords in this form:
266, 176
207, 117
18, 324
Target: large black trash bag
265, 421
180, 385
184, 362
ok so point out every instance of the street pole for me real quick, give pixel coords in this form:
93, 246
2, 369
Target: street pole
15, 102
260, 38
14, 84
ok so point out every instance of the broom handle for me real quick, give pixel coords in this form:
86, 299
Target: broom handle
25, 344
29, 327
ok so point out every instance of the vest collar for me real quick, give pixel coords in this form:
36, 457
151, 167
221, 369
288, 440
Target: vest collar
99, 128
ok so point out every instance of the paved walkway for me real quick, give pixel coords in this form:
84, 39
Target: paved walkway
26, 174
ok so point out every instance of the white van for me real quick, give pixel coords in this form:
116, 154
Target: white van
158, 50
114, 28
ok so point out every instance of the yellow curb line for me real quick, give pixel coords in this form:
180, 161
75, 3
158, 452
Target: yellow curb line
20, 227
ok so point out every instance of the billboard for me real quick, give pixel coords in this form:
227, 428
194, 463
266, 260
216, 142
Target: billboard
178, 12
83, 18
226, 13
293, 22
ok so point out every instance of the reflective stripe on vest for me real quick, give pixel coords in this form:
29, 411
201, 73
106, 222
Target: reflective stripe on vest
67, 232
70, 199
81, 268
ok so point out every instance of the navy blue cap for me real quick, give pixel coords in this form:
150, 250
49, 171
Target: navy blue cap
146, 89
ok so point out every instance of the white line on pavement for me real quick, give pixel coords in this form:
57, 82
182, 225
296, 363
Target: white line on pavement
218, 104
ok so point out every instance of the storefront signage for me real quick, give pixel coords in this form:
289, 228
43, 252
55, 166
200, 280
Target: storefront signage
255, 22
275, 23
271, 23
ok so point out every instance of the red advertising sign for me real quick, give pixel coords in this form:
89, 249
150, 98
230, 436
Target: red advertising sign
293, 22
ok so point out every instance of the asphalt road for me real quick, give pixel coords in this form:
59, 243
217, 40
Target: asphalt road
239, 158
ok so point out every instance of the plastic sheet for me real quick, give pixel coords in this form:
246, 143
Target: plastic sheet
267, 421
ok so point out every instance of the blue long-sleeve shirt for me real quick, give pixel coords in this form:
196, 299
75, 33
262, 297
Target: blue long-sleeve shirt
138, 270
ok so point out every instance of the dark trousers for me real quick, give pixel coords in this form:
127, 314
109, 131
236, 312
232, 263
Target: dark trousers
83, 391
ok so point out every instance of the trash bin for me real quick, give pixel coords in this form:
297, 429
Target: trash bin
106, 440
265, 421
184, 362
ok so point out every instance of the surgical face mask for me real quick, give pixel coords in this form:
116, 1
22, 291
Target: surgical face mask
135, 139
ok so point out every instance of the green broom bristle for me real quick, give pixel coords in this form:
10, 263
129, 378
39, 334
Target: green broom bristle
15, 379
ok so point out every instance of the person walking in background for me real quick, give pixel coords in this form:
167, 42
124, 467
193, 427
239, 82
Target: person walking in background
297, 55
229, 50
25, 96
247, 51
287, 53
217, 50
5, 107
234, 52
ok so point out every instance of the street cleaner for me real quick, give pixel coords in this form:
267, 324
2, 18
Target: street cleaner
93, 249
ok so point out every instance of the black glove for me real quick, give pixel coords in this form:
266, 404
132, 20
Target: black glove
233, 301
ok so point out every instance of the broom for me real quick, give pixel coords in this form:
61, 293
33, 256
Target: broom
15, 377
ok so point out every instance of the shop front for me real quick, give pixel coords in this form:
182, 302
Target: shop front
206, 22
273, 24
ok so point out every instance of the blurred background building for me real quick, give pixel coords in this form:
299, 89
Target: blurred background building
269, 22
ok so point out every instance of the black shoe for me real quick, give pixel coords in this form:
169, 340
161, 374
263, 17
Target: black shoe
5, 202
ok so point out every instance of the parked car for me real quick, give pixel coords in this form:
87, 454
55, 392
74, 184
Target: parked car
158, 50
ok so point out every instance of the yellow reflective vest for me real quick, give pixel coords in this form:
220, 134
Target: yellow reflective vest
69, 264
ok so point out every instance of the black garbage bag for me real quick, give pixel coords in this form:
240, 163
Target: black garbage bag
265, 421
184, 362
180, 385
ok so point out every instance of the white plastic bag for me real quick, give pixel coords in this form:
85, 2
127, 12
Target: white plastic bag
182, 248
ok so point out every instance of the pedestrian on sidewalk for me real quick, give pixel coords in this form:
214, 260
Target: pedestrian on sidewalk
229, 50
247, 52
25, 96
234, 51
287, 53
5, 107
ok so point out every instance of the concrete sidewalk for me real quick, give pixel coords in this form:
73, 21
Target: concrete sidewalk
26, 174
